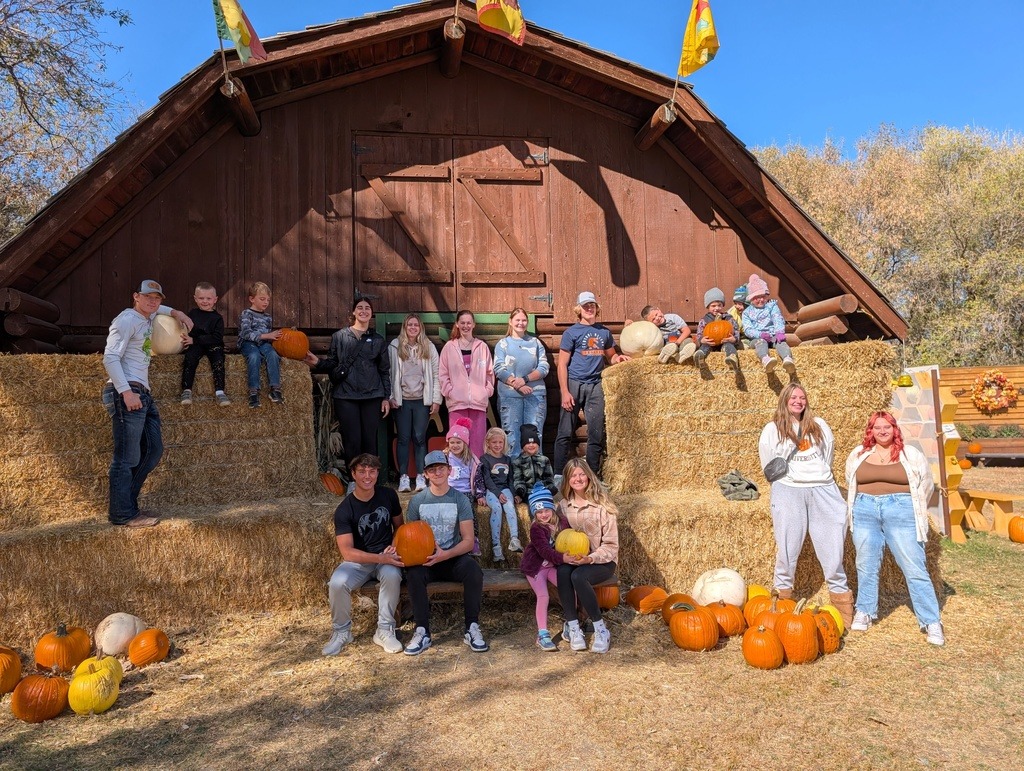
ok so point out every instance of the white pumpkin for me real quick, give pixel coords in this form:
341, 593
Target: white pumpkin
167, 332
115, 632
641, 338
720, 584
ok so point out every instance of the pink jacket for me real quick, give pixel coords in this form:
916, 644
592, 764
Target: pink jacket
462, 391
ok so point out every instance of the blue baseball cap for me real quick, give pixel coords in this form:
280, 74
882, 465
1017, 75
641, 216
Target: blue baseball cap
435, 458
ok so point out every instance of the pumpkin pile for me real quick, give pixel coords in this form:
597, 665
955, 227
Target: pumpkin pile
69, 676
775, 630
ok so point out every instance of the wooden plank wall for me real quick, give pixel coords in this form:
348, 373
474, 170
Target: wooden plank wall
961, 380
278, 207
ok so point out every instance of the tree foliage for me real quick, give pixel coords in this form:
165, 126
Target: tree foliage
936, 219
57, 107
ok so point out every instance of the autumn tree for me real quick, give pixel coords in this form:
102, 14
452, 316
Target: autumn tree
57, 108
936, 219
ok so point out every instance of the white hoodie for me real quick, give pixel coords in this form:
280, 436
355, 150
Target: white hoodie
807, 468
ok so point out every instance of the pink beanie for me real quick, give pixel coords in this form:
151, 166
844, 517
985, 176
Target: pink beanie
756, 286
460, 430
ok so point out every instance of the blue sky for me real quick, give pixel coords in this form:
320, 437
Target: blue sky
820, 71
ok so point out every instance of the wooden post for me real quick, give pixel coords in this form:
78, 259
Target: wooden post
826, 327
792, 340
241, 107
28, 345
662, 118
454, 39
13, 300
835, 306
21, 325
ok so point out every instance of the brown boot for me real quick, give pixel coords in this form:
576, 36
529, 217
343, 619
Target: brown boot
785, 594
844, 604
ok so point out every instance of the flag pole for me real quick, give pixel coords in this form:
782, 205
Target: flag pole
224, 63
457, 3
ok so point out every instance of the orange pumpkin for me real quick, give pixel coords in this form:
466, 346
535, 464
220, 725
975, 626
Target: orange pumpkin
607, 597
798, 634
693, 627
828, 631
637, 593
769, 618
414, 542
652, 602
10, 669
292, 344
965, 464
62, 650
39, 697
1015, 529
762, 648
332, 483
729, 617
670, 606
717, 331
148, 647
974, 448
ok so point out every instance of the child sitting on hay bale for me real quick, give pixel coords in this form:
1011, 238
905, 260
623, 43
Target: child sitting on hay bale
255, 336
714, 301
531, 467
764, 325
464, 467
739, 304
496, 473
675, 332
207, 340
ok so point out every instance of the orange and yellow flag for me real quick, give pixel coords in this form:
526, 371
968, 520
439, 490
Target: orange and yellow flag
700, 41
502, 17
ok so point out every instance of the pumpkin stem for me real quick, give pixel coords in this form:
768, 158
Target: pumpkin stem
800, 606
62, 629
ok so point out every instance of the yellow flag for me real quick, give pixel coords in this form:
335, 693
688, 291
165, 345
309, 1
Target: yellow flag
700, 41
502, 17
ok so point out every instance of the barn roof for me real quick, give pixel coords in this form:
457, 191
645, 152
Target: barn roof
192, 115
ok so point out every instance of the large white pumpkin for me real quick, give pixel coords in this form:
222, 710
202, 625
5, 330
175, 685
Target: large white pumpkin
641, 338
720, 584
115, 632
167, 334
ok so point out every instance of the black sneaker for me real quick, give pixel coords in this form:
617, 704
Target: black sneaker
254, 400
276, 396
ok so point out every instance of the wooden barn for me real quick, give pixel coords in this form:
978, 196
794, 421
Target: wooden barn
412, 158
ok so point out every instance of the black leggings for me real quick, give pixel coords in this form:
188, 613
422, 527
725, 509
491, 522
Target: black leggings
578, 581
358, 421
193, 355
462, 569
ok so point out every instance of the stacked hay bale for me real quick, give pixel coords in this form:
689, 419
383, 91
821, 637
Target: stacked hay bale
246, 522
672, 433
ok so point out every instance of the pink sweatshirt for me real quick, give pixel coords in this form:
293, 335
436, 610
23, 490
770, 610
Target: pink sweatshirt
462, 391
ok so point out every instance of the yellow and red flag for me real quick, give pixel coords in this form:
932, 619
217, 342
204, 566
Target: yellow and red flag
700, 41
502, 17
234, 25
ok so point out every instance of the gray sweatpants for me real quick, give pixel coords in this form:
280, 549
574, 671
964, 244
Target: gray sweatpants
351, 575
820, 511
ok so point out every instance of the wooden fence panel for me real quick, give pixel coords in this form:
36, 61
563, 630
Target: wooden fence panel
961, 380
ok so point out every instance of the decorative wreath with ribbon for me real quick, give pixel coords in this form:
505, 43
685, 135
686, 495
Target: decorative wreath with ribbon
993, 391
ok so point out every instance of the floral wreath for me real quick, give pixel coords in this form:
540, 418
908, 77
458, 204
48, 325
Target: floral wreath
993, 391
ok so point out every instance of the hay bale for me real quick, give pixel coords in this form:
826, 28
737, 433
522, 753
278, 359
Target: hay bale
670, 538
56, 445
668, 429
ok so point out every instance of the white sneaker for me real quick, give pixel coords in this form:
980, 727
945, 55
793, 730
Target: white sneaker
338, 641
686, 352
575, 637
769, 364
403, 484
186, 397
474, 638
789, 365
387, 640
420, 642
935, 634
861, 622
421, 482
514, 545
602, 641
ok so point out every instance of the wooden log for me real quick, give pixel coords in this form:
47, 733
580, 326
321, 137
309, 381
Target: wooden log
29, 345
241, 107
23, 325
816, 341
13, 300
454, 39
662, 118
792, 340
834, 306
826, 327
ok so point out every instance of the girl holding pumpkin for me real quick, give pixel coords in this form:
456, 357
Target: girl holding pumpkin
541, 559
415, 395
807, 499
466, 379
361, 375
520, 366
889, 486
588, 508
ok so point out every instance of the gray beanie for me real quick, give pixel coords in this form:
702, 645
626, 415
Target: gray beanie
712, 295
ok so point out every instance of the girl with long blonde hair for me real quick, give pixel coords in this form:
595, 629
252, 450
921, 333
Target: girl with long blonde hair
415, 396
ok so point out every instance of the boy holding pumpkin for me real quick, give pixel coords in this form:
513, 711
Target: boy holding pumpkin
717, 330
364, 527
207, 340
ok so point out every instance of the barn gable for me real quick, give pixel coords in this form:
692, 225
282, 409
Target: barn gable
350, 163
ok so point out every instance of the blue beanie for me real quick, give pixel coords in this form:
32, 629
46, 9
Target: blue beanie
740, 294
540, 498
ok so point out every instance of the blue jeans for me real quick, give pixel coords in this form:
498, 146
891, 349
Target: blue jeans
256, 352
881, 521
138, 446
411, 421
516, 410
509, 507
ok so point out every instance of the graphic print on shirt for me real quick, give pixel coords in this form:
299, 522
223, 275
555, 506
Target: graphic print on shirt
590, 344
372, 522
443, 519
499, 470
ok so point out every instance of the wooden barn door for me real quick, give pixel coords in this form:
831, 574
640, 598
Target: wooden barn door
404, 250
502, 223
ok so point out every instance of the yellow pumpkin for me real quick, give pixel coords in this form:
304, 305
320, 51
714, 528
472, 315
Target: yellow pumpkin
757, 590
833, 611
107, 662
573, 542
93, 691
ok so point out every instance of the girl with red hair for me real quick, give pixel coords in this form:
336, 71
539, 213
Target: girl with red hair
889, 485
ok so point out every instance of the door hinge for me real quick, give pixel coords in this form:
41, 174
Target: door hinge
540, 158
358, 149
549, 298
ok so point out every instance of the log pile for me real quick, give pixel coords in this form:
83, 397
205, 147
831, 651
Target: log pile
28, 324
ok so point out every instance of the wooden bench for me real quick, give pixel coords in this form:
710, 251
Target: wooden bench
1002, 505
495, 582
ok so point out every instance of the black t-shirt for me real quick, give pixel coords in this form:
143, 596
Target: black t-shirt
369, 522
